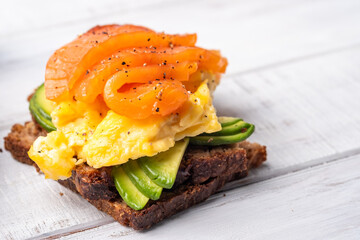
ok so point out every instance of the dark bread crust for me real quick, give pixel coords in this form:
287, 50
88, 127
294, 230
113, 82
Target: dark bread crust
202, 172
196, 168
170, 203
20, 139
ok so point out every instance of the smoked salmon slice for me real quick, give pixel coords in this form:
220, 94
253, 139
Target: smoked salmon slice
160, 93
137, 72
140, 101
88, 88
70, 63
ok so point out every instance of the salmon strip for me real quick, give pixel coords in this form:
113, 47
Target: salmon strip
140, 101
94, 81
159, 94
71, 62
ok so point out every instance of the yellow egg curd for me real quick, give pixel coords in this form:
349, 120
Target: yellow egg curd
93, 134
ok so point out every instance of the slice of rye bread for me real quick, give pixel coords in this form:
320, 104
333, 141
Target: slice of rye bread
202, 172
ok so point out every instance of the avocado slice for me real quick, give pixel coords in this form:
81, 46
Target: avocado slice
227, 121
41, 108
163, 167
44, 105
127, 190
230, 129
207, 140
145, 185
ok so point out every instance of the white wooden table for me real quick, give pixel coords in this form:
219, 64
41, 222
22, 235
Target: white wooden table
294, 71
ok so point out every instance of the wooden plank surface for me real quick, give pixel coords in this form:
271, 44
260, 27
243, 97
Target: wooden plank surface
250, 33
294, 142
293, 72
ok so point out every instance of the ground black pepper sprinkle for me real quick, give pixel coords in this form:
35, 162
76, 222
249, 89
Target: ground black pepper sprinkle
123, 63
157, 109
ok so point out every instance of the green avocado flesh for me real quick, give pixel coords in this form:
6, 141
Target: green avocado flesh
163, 167
127, 190
41, 108
230, 129
143, 183
230, 133
227, 121
139, 180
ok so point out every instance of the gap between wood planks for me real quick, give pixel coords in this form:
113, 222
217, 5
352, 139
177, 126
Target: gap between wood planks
320, 162
117, 11
295, 60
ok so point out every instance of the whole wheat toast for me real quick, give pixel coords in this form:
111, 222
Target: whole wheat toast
202, 172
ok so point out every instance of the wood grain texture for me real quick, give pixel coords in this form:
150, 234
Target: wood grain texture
316, 203
250, 33
59, 13
293, 72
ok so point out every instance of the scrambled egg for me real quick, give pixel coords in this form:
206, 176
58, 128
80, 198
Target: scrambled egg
94, 134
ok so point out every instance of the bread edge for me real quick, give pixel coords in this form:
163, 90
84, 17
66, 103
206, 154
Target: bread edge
191, 195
